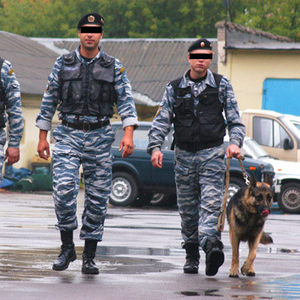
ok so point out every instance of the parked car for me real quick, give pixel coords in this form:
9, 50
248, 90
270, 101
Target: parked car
135, 182
287, 176
278, 134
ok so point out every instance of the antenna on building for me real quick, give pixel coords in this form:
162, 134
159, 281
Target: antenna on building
227, 7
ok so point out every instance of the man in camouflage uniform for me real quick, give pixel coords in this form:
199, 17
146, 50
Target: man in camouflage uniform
11, 110
195, 104
85, 83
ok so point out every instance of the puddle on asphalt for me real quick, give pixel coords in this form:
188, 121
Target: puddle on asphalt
248, 289
36, 264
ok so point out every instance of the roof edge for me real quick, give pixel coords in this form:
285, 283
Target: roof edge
237, 27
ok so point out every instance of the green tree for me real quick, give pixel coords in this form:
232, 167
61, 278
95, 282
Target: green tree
275, 16
149, 18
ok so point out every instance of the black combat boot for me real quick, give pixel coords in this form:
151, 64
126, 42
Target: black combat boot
88, 264
214, 255
67, 253
192, 258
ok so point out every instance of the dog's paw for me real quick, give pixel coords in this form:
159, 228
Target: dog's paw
248, 269
245, 269
234, 271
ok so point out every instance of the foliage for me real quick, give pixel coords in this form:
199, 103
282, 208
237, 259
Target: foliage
149, 18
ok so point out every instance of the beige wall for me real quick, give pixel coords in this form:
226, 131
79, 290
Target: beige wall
247, 70
28, 146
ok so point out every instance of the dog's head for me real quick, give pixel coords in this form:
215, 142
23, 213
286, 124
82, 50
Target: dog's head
260, 196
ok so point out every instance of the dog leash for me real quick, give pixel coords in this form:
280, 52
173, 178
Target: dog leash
245, 176
221, 219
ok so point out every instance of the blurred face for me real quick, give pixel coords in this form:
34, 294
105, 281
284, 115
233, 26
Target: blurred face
90, 41
199, 65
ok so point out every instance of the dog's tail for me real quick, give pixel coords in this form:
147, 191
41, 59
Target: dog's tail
266, 239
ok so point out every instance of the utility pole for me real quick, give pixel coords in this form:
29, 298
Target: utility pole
227, 6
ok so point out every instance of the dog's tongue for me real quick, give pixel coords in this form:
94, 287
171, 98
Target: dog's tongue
265, 213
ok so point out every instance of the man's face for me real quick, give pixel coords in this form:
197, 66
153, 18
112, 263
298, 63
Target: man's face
90, 41
199, 65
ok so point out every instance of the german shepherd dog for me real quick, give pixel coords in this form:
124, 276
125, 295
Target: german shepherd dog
246, 212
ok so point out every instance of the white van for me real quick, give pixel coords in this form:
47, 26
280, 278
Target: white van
278, 134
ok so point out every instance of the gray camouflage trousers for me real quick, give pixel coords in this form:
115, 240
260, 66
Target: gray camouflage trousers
92, 149
1, 161
2, 154
199, 181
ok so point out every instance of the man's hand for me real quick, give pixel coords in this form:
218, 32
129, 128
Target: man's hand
43, 148
12, 155
233, 151
127, 142
157, 159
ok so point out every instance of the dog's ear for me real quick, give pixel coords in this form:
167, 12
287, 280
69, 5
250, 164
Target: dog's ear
268, 179
253, 181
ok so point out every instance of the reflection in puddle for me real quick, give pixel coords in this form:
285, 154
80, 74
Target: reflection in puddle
280, 288
36, 265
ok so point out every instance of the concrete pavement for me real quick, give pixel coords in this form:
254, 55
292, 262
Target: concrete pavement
140, 257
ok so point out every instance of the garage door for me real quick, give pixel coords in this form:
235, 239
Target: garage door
282, 95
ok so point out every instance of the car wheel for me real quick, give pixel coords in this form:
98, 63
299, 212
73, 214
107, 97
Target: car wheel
289, 198
160, 199
124, 189
142, 199
234, 185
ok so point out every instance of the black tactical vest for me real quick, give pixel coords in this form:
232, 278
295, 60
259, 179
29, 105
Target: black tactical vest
87, 89
204, 128
2, 98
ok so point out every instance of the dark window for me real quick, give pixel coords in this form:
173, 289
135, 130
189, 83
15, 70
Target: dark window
268, 132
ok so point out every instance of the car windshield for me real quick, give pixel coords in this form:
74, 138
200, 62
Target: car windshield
296, 124
253, 149
293, 124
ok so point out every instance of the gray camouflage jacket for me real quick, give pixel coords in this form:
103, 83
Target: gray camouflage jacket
163, 120
125, 103
13, 107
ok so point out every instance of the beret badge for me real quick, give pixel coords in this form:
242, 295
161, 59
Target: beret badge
91, 19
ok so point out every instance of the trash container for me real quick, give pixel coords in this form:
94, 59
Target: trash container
41, 166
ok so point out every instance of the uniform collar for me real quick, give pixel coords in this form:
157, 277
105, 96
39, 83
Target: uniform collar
209, 80
92, 60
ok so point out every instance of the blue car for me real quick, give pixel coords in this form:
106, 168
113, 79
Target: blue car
136, 182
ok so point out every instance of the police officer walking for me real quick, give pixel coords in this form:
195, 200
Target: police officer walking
84, 84
11, 111
195, 104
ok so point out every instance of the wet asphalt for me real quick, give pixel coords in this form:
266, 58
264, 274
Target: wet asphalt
140, 257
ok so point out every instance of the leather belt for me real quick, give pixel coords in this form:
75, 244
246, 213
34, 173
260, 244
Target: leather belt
85, 126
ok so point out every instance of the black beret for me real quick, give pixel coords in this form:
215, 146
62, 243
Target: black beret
91, 18
203, 44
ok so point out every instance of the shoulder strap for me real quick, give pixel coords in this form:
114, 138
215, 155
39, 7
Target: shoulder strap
69, 58
175, 84
218, 79
106, 60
